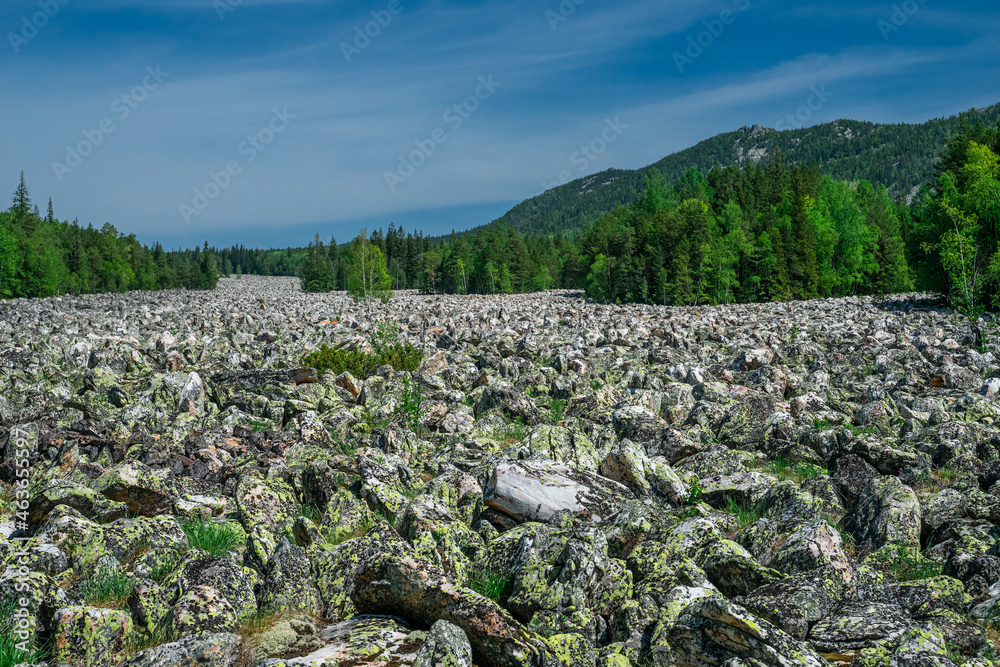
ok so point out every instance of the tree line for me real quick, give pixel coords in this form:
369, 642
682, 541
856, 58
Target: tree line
773, 231
770, 232
43, 256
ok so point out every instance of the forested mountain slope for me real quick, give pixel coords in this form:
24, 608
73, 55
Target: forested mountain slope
900, 156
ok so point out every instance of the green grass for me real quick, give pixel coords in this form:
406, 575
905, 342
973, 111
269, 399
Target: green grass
822, 424
163, 570
107, 586
491, 584
746, 514
514, 432
596, 385
215, 537
556, 407
10, 654
785, 469
142, 639
909, 564
309, 512
946, 475
348, 447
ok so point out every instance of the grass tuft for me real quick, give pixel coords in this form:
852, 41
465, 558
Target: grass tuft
909, 564
746, 514
107, 586
491, 584
785, 469
10, 654
514, 432
215, 537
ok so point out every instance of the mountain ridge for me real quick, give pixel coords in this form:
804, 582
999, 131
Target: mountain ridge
901, 156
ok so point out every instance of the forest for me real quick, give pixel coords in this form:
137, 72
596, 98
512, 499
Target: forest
901, 157
43, 256
776, 231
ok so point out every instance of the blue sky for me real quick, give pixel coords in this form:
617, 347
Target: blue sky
263, 121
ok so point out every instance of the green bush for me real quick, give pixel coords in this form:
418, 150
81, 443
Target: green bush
387, 350
215, 537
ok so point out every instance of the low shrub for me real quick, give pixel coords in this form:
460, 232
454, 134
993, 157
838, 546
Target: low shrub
387, 350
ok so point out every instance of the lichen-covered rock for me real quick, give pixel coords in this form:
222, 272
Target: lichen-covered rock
732, 569
887, 512
572, 650
795, 603
565, 445
233, 582
289, 635
445, 646
135, 485
565, 571
150, 604
204, 650
714, 631
287, 582
811, 546
412, 590
88, 502
202, 609
858, 626
627, 463
264, 510
335, 566
371, 640
538, 491
87, 636
744, 488
126, 538
43, 599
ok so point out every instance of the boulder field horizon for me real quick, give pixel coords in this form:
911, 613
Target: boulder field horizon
559, 483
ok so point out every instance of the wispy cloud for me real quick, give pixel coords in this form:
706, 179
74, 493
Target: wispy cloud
354, 119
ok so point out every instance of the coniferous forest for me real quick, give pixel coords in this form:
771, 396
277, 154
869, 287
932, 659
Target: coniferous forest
772, 231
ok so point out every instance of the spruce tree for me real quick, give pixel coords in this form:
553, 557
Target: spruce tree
22, 200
